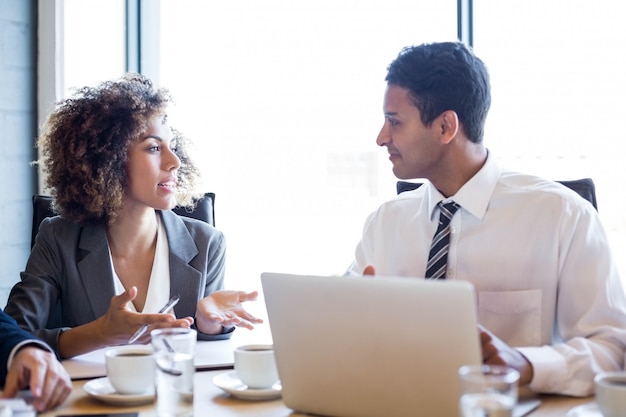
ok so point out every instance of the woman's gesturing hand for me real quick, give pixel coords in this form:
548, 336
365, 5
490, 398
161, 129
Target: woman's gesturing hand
224, 309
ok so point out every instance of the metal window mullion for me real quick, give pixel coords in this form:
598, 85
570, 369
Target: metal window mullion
143, 37
465, 21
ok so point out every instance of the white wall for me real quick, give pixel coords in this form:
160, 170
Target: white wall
17, 133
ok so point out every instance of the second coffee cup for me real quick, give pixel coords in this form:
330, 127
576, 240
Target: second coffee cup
130, 369
256, 366
611, 393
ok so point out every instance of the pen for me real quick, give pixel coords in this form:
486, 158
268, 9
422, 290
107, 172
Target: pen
170, 304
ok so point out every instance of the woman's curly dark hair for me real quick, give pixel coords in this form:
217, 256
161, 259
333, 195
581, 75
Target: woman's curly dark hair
84, 145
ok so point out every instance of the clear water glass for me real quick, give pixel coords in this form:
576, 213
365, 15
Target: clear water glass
174, 351
487, 390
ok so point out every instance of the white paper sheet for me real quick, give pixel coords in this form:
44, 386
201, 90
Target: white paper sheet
16, 407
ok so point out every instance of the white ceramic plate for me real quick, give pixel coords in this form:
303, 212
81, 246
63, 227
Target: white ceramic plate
585, 410
230, 383
101, 389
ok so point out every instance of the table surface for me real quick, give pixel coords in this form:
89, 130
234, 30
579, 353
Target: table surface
209, 400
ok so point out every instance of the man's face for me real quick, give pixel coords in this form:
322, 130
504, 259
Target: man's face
414, 148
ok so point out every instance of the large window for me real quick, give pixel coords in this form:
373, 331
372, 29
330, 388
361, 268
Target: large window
284, 102
94, 39
558, 94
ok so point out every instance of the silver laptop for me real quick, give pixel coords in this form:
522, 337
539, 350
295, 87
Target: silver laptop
371, 346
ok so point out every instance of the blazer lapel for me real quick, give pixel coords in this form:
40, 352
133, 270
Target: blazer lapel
185, 280
96, 275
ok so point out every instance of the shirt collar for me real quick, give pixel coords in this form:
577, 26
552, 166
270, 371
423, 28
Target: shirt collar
474, 195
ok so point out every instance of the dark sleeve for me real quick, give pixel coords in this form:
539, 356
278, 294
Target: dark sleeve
11, 335
216, 259
211, 259
226, 334
34, 298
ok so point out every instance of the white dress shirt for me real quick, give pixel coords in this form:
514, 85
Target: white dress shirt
539, 258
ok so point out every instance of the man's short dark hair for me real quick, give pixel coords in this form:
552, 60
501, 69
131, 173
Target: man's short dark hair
445, 76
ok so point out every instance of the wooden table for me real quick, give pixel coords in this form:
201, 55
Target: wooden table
557, 406
209, 400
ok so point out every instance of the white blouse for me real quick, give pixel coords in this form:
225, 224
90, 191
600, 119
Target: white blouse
159, 285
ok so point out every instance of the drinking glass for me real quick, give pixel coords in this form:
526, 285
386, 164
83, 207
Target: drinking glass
174, 351
488, 390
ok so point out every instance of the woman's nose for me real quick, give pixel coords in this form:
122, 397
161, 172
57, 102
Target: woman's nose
172, 161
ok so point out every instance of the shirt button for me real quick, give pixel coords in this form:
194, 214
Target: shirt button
450, 273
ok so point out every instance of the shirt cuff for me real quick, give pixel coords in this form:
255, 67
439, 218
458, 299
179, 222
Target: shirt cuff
23, 343
549, 368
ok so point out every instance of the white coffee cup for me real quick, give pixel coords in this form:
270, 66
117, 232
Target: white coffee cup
130, 369
256, 366
611, 393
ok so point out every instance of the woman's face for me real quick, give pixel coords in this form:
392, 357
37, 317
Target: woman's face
153, 167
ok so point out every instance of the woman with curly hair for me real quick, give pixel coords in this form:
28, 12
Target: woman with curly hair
116, 252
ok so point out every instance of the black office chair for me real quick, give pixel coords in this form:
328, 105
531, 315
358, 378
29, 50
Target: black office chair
585, 187
204, 210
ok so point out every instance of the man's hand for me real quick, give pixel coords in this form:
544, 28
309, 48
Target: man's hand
369, 270
496, 352
38, 368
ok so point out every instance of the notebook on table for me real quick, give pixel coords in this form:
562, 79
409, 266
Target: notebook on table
371, 346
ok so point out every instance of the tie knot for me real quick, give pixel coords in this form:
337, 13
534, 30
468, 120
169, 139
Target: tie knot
448, 209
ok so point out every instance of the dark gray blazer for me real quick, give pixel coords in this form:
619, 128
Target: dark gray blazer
70, 265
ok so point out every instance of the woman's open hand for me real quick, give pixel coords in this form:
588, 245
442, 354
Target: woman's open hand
224, 309
120, 323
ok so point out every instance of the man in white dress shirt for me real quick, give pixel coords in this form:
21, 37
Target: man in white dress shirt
550, 299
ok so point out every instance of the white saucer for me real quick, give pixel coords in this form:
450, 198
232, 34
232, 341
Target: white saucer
229, 382
101, 389
585, 410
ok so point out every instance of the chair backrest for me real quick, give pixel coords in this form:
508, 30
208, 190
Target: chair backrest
204, 210
42, 208
585, 187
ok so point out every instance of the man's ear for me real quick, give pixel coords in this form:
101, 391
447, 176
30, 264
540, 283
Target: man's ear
449, 125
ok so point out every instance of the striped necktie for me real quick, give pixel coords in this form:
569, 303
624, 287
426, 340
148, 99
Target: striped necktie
438, 256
